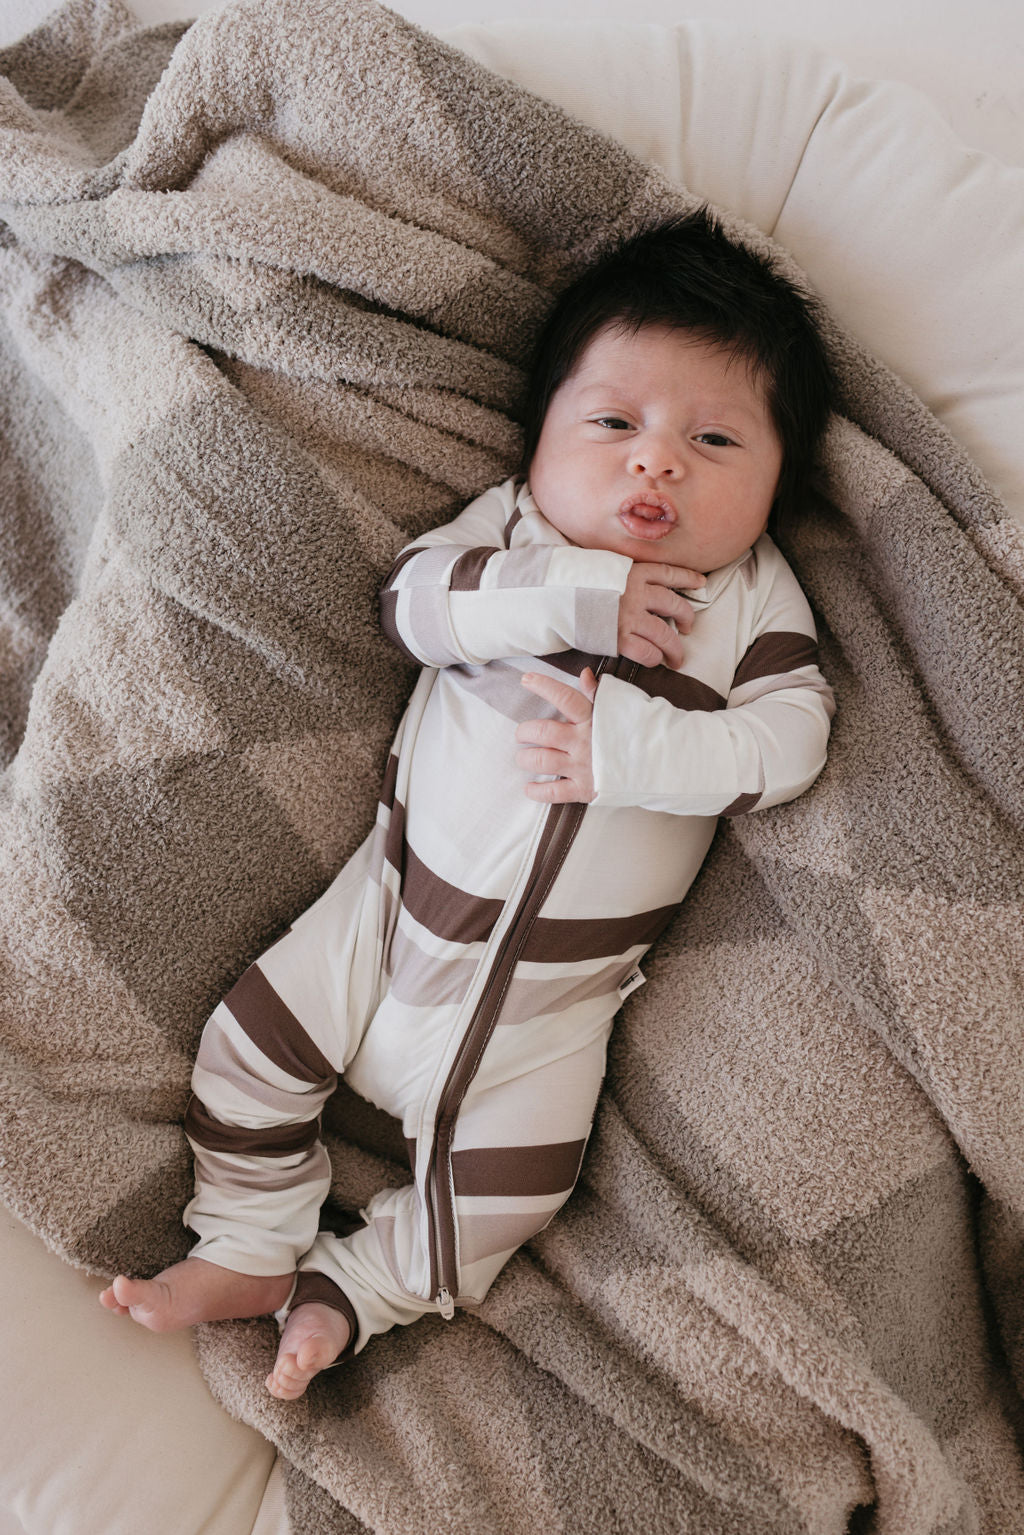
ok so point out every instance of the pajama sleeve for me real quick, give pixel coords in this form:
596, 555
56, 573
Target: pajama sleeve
767, 744
459, 595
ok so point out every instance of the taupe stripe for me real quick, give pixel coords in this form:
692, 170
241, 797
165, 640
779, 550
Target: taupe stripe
274, 1028
557, 940
402, 560
595, 619
527, 999
388, 602
508, 1171
443, 909
741, 804
524, 568
486, 1236
679, 688
274, 1141
775, 653
422, 979
428, 625
220, 1056
468, 569
246, 1178
389, 624
499, 684
433, 563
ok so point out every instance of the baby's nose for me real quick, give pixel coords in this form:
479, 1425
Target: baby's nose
656, 460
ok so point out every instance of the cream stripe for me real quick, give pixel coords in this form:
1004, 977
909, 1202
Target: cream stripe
806, 677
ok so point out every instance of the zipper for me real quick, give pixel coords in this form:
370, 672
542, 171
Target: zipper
560, 829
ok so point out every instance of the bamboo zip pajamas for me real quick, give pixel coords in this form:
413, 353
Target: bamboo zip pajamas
464, 968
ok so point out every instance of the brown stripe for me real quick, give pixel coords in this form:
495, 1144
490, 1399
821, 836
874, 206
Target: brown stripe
511, 525
556, 940
389, 624
679, 688
772, 654
388, 600
276, 1141
468, 569
575, 662
510, 1171
394, 842
313, 1286
274, 1028
444, 909
387, 788
741, 804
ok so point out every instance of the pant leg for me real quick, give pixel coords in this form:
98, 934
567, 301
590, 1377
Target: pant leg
269, 1058
519, 1142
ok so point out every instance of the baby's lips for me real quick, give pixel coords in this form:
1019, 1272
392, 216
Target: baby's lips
646, 498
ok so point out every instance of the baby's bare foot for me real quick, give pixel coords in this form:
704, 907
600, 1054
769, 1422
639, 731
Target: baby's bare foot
195, 1290
313, 1337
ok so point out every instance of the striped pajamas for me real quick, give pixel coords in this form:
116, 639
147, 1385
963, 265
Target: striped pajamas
464, 968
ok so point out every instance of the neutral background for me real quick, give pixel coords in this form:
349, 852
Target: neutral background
968, 55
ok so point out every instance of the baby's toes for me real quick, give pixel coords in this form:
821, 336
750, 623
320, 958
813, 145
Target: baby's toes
109, 1300
287, 1380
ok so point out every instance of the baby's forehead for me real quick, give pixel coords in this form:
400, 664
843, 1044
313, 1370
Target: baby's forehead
605, 359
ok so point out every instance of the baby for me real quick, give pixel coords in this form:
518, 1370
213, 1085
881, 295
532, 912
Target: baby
464, 968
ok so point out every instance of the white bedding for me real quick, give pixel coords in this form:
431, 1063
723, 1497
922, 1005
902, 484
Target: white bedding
918, 244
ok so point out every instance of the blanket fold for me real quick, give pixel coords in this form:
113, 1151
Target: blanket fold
267, 285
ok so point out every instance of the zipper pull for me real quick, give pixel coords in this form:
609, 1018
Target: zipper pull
445, 1303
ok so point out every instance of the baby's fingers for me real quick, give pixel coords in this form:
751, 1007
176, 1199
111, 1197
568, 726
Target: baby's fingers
569, 701
554, 733
559, 791
539, 759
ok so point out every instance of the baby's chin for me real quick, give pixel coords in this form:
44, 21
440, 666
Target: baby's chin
671, 548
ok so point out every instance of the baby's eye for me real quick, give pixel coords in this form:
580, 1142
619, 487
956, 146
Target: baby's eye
613, 423
715, 439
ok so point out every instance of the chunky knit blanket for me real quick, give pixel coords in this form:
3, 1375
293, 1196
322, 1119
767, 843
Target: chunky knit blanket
267, 285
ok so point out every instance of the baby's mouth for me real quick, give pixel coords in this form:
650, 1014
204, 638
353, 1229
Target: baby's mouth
647, 515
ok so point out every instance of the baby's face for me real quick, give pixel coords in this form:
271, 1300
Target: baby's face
661, 447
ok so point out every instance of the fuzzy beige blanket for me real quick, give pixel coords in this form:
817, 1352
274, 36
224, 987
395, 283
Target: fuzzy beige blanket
266, 291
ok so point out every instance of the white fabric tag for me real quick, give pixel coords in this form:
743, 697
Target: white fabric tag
634, 979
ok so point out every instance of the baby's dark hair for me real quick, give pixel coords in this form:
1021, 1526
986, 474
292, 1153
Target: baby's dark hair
686, 274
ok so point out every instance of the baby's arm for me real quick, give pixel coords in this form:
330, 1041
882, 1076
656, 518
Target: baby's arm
459, 595
766, 746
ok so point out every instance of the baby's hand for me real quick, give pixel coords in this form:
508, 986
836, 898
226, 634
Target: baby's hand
560, 746
649, 599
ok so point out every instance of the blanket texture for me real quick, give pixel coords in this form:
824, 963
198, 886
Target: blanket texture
267, 285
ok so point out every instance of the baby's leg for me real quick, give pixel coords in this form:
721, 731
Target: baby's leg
195, 1291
